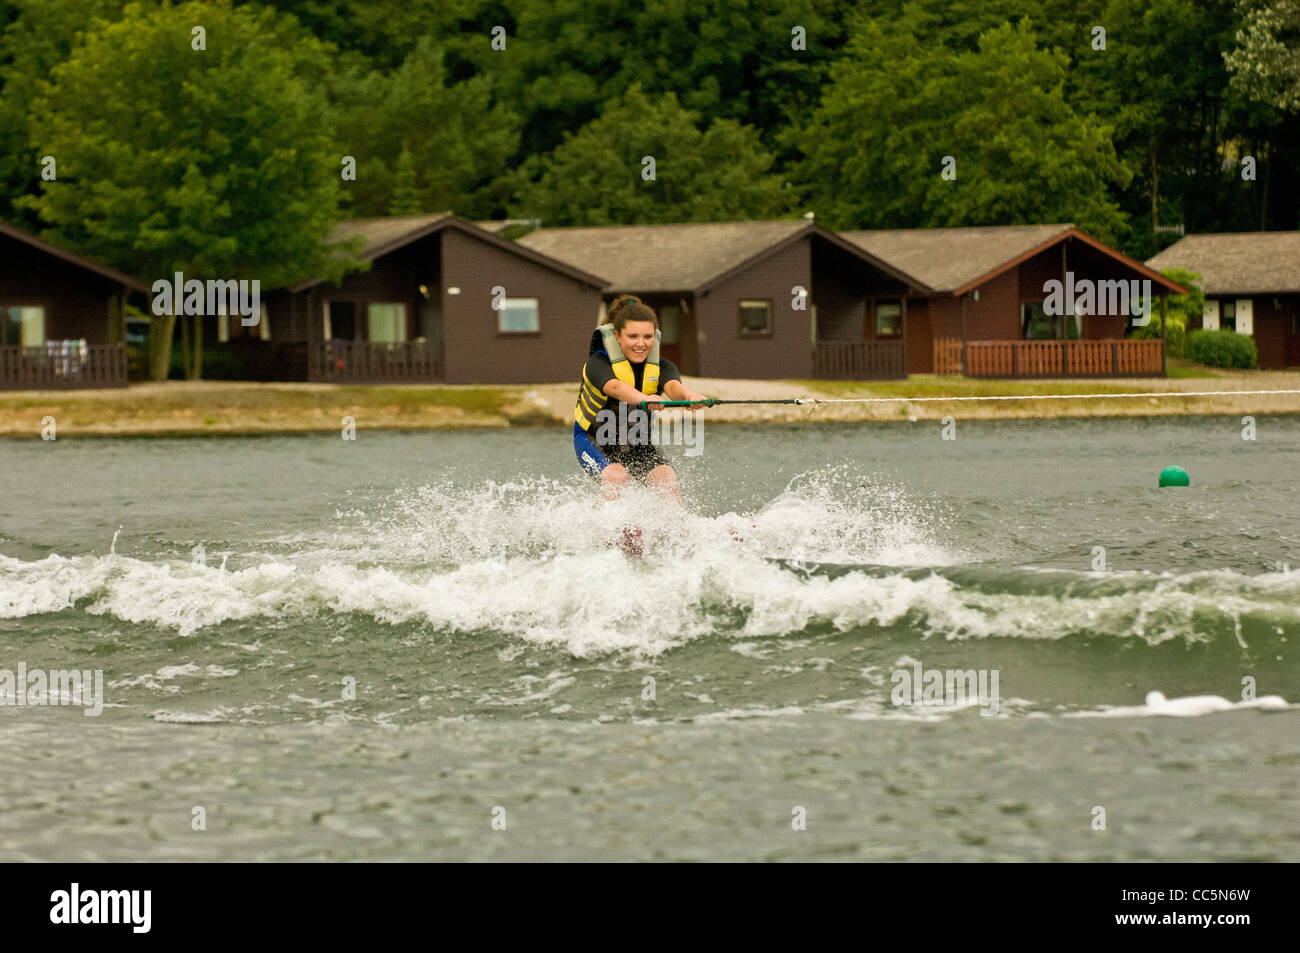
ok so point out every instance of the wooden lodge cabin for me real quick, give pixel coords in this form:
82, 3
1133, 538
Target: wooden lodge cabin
728, 297
427, 311
62, 317
1252, 286
985, 317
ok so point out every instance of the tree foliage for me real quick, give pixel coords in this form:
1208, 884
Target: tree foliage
1117, 115
600, 176
900, 113
166, 158
1265, 64
459, 138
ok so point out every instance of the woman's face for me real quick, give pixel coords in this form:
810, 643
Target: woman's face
636, 339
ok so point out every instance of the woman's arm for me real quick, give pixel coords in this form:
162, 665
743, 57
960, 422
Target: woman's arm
676, 390
621, 390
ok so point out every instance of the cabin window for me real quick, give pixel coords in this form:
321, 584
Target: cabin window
755, 318
340, 321
519, 316
889, 319
1228, 316
1038, 325
24, 326
386, 323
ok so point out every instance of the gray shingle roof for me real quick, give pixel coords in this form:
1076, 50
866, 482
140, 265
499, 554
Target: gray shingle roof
661, 258
129, 281
380, 232
950, 258
1243, 263
382, 235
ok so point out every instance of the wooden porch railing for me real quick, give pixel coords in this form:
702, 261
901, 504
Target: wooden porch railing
1111, 357
947, 356
859, 360
367, 362
58, 366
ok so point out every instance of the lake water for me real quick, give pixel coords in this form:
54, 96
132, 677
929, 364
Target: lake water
393, 647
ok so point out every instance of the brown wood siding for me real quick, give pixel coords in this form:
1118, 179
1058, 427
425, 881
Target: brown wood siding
788, 351
1276, 337
996, 315
841, 303
476, 352
1291, 325
76, 301
1037, 271
945, 317
1270, 325
920, 337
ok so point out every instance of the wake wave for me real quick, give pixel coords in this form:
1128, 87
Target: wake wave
604, 602
834, 552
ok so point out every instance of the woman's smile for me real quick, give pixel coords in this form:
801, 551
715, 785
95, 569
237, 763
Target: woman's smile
636, 339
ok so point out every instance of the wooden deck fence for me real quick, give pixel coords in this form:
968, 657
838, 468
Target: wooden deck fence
1112, 357
366, 362
859, 360
63, 365
947, 356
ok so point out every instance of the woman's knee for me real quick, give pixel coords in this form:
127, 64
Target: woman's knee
662, 475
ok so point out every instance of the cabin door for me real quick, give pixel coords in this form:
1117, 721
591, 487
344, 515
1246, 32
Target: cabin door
1291, 324
670, 323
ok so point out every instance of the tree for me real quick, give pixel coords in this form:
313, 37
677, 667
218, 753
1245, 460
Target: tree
459, 139
406, 198
600, 176
909, 135
566, 59
170, 160
1179, 308
1265, 64
38, 37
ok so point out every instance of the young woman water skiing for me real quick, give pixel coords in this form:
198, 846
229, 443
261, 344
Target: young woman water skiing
611, 434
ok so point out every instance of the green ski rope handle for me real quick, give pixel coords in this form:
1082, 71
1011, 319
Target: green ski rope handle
707, 402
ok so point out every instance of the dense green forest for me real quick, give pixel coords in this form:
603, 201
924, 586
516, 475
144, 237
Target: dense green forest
214, 136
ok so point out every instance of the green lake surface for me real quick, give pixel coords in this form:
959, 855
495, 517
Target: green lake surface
424, 646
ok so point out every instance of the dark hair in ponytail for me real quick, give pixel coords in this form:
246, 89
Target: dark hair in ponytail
627, 308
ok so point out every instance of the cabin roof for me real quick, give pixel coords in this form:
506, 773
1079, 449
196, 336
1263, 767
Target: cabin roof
135, 284
389, 233
956, 260
1238, 263
690, 256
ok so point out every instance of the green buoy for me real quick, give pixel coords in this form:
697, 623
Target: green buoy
1174, 476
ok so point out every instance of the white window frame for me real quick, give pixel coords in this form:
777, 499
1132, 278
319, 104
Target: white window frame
742, 304
507, 303
1245, 316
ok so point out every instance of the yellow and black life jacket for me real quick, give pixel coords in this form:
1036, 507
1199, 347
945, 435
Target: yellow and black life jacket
591, 399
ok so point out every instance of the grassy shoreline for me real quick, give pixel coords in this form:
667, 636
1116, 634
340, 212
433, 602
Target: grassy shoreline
204, 408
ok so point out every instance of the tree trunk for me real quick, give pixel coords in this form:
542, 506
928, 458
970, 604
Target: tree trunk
192, 346
160, 345
1155, 191
1263, 191
185, 347
196, 360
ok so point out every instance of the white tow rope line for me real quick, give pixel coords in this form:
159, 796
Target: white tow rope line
917, 400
